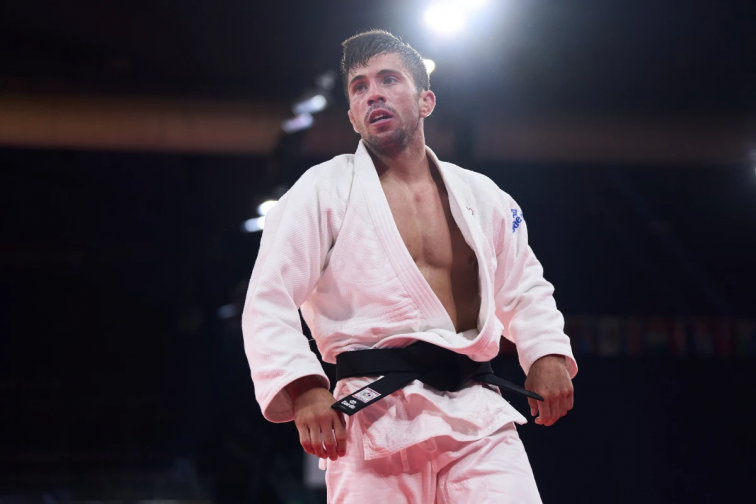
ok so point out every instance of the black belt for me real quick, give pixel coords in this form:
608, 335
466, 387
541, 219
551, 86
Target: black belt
438, 367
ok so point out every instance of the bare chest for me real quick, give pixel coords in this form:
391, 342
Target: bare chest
428, 229
438, 248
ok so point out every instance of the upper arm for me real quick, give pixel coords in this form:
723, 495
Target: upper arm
295, 242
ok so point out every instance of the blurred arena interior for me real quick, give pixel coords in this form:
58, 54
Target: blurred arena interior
142, 143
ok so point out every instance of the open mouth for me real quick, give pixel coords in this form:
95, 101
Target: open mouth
379, 116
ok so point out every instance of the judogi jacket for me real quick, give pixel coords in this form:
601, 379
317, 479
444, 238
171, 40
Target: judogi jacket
331, 247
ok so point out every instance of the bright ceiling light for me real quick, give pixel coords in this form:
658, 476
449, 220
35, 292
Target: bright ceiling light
445, 18
264, 207
252, 225
475, 4
430, 65
311, 105
298, 123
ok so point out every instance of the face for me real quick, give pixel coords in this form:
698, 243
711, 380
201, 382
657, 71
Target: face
384, 105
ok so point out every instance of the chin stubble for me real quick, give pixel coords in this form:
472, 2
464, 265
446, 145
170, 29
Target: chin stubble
396, 142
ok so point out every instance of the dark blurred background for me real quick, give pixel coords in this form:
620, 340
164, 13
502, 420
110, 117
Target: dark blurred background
138, 138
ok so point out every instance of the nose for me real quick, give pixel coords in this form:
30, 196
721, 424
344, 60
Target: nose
376, 97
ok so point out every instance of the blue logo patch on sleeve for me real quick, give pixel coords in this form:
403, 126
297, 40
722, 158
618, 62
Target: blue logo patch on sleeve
517, 219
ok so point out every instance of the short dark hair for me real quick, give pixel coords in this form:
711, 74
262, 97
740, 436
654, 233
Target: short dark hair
363, 46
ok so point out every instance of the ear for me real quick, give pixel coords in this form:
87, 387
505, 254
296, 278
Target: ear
427, 103
351, 120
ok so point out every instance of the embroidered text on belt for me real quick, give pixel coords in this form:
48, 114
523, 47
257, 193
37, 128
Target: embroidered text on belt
438, 367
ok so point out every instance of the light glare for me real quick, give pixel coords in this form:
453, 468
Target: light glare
475, 4
311, 105
264, 207
445, 18
301, 122
256, 224
430, 65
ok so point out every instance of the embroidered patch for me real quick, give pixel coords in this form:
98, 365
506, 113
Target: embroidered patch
366, 395
349, 404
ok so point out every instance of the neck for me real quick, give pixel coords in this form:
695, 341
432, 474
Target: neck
408, 165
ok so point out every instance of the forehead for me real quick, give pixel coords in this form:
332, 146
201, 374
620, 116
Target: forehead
379, 62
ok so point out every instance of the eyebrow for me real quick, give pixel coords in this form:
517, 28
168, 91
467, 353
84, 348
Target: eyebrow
380, 72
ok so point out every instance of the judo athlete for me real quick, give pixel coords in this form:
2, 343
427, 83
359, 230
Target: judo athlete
408, 271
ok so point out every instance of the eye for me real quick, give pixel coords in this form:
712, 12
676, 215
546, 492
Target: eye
358, 88
389, 79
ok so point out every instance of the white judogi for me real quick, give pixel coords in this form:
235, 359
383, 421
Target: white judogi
491, 470
331, 247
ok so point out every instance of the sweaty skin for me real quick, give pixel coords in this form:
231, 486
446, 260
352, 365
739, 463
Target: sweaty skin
387, 110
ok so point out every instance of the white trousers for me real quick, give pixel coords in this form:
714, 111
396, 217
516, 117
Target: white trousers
494, 469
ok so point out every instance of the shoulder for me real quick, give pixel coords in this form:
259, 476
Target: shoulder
329, 173
331, 179
498, 213
481, 186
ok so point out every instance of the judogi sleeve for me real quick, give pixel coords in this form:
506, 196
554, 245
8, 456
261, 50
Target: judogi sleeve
524, 299
293, 250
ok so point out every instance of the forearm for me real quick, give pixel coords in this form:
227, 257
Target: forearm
302, 385
553, 357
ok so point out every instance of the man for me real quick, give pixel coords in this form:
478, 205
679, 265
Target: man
383, 249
